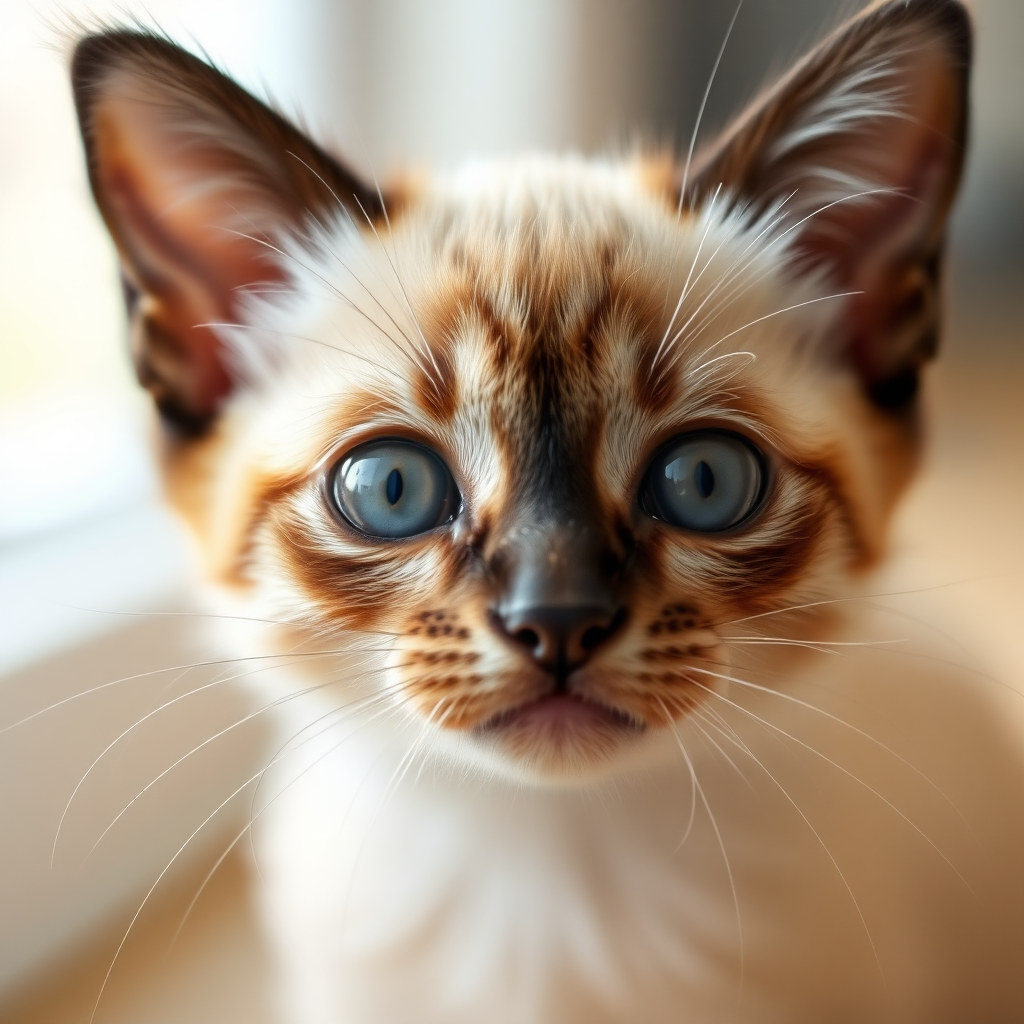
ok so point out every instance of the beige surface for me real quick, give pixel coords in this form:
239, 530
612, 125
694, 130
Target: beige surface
960, 529
216, 973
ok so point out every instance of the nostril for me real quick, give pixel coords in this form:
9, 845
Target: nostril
558, 637
527, 637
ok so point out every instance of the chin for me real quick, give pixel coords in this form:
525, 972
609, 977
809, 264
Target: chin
559, 739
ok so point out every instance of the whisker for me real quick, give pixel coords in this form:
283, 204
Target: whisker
782, 789
99, 757
352, 353
732, 764
787, 309
390, 789
382, 700
134, 677
821, 646
700, 111
248, 828
160, 877
835, 764
718, 836
760, 253
730, 275
354, 705
163, 706
405, 295
788, 697
203, 614
689, 275
332, 289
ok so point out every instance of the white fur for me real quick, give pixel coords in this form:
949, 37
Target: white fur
408, 879
457, 897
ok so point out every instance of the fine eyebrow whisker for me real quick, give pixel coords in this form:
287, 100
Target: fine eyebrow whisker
332, 289
740, 261
738, 267
700, 111
768, 316
334, 255
689, 275
730, 279
788, 309
699, 381
435, 380
351, 353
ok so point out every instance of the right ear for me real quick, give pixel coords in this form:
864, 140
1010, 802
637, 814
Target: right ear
859, 150
197, 181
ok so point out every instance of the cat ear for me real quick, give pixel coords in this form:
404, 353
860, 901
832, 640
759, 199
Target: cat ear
196, 181
862, 143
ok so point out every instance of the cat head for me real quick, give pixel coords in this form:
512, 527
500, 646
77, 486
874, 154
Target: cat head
541, 433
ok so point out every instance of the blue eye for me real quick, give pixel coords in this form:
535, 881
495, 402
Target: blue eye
705, 481
394, 489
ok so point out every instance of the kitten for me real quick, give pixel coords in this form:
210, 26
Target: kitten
551, 488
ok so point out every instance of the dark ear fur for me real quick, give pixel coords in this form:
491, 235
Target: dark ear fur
879, 107
194, 178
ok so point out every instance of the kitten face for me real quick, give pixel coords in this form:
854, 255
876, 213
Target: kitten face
534, 349
646, 406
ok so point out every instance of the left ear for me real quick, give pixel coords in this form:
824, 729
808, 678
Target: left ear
863, 144
198, 182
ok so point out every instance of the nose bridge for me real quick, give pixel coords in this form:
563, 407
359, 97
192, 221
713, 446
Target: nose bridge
555, 569
556, 564
557, 591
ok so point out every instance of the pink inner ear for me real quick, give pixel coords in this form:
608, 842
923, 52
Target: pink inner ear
885, 245
913, 151
192, 235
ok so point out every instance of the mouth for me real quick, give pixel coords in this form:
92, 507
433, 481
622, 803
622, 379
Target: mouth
562, 713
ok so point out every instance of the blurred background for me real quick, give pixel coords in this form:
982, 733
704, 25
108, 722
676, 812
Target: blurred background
96, 579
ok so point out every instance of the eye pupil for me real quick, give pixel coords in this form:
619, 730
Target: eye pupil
394, 486
704, 479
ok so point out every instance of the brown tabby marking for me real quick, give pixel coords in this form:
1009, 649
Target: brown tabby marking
545, 328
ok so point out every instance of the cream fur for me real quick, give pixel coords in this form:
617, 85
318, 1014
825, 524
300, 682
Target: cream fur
798, 803
443, 888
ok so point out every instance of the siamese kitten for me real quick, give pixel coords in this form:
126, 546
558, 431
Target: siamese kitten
555, 494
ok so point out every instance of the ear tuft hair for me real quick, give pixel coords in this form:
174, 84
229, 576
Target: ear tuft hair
861, 146
199, 184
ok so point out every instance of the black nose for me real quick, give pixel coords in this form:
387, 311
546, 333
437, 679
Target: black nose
560, 638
